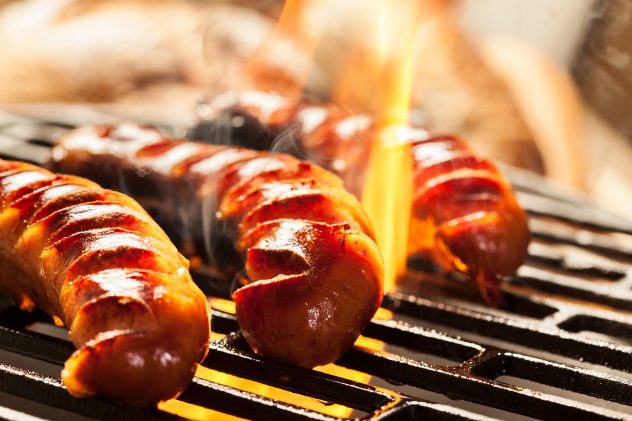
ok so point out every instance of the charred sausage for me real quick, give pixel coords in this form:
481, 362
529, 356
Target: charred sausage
97, 263
464, 212
313, 274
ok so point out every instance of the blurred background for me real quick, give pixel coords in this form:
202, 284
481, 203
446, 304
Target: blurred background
543, 85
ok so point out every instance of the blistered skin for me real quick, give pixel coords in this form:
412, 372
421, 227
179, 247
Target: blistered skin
464, 212
313, 273
97, 263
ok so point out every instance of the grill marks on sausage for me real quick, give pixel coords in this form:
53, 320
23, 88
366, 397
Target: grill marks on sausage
291, 223
96, 262
461, 201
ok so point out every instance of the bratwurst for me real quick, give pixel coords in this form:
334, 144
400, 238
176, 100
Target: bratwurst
464, 214
312, 271
96, 262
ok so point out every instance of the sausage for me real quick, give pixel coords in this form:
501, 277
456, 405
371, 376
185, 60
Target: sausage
325, 134
96, 262
465, 209
464, 213
312, 273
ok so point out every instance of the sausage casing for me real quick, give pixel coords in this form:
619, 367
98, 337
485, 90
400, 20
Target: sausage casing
97, 263
313, 274
464, 213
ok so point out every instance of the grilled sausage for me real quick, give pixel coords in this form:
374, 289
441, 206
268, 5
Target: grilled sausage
313, 274
465, 209
324, 134
97, 263
464, 212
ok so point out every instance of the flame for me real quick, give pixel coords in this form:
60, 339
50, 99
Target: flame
283, 61
387, 195
387, 198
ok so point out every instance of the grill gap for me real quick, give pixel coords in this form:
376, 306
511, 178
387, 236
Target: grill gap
613, 328
575, 380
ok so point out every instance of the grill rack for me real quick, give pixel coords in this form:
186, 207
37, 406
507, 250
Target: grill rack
576, 282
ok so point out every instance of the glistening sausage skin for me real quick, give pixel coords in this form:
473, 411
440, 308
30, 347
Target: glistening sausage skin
97, 263
312, 272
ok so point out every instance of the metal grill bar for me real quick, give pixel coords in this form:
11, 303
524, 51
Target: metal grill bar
460, 386
520, 332
51, 392
577, 212
244, 404
620, 299
598, 243
574, 255
545, 198
233, 353
230, 355
574, 379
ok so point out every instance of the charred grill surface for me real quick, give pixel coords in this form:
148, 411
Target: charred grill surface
560, 347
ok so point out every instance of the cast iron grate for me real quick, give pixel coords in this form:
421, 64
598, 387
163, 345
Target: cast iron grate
560, 347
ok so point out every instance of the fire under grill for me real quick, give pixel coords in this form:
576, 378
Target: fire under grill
560, 347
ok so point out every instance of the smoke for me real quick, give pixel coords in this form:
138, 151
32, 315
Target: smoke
208, 213
331, 137
288, 142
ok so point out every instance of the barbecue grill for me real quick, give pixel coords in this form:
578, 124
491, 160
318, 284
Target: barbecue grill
560, 347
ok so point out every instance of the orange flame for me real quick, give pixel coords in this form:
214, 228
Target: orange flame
387, 195
283, 61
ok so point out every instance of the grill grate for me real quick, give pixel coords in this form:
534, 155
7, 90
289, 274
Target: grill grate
561, 346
